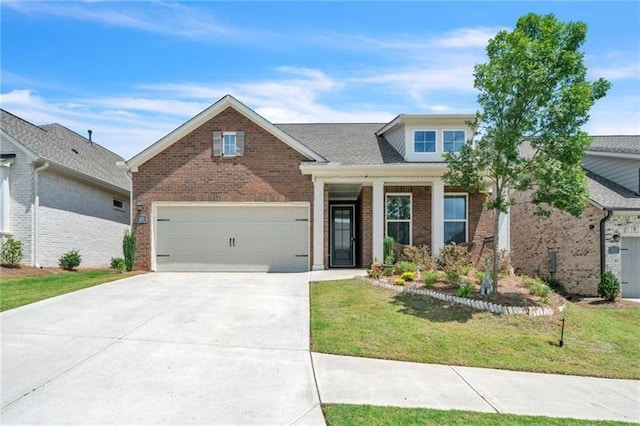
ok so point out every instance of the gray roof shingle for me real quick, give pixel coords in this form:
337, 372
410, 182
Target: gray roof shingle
620, 144
611, 195
345, 143
60, 145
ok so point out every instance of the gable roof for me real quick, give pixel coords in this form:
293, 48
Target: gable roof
346, 143
206, 115
609, 194
63, 147
629, 144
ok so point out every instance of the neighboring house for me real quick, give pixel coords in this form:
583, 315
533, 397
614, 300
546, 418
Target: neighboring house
60, 192
606, 236
228, 190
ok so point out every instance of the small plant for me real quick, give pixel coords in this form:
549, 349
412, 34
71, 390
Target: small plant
430, 278
388, 260
420, 255
408, 276
70, 260
609, 286
453, 277
465, 270
11, 252
388, 271
400, 281
464, 290
118, 264
455, 258
540, 289
555, 285
388, 250
376, 271
544, 300
480, 276
402, 267
129, 249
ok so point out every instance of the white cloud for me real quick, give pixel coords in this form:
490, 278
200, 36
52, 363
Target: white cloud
617, 72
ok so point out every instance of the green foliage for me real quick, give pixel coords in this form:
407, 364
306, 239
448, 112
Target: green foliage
408, 276
11, 252
404, 266
388, 271
129, 249
480, 276
430, 278
376, 271
464, 290
555, 285
536, 286
118, 264
400, 281
70, 260
455, 258
609, 286
453, 277
389, 260
420, 255
388, 250
535, 99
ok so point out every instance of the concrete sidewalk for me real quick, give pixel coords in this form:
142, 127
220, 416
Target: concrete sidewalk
350, 380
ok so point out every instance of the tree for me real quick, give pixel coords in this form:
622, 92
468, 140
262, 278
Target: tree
534, 100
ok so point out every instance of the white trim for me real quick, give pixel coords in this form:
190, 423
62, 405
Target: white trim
206, 115
410, 220
32, 155
413, 141
466, 213
377, 222
5, 196
318, 225
437, 217
353, 235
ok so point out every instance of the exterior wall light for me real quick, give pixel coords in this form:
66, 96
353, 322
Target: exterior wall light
615, 237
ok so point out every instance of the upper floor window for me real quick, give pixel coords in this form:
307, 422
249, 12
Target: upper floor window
229, 144
399, 218
453, 140
424, 141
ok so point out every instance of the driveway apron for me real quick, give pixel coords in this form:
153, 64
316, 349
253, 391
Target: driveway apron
164, 348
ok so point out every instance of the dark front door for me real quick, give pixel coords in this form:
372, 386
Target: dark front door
342, 236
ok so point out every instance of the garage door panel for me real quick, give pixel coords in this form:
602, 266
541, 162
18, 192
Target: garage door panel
630, 277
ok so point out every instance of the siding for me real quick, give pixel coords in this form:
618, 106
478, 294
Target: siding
396, 138
625, 172
76, 215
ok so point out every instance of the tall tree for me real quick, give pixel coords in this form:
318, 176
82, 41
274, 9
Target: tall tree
534, 99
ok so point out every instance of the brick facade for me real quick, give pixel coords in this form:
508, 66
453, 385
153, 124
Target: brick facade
366, 226
187, 172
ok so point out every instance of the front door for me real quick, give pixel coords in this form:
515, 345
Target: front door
342, 236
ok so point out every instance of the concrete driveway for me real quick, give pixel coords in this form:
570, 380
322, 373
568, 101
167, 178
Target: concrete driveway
166, 349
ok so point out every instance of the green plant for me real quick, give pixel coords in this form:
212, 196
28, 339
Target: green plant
118, 264
555, 285
464, 291
430, 278
388, 271
388, 260
400, 281
609, 286
375, 271
420, 255
544, 300
11, 252
402, 267
465, 270
70, 260
453, 277
129, 249
480, 276
539, 288
408, 276
455, 258
388, 250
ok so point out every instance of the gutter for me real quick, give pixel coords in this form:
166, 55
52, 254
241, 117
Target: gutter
602, 245
36, 207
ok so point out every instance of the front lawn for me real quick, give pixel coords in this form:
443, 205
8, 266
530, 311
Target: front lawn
16, 292
338, 415
351, 317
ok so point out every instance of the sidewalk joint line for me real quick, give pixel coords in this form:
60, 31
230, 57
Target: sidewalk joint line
474, 389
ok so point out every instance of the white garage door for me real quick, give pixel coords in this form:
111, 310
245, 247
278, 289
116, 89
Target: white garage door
630, 282
264, 238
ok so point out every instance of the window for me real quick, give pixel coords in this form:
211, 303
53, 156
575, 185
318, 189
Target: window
229, 144
424, 141
118, 204
399, 218
453, 140
455, 219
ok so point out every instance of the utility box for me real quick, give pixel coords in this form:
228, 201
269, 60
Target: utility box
552, 261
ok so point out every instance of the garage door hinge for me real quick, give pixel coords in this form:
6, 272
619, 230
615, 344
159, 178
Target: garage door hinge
624, 249
302, 255
163, 255
163, 220
302, 220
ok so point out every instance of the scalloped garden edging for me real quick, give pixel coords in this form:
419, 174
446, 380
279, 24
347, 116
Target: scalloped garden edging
533, 311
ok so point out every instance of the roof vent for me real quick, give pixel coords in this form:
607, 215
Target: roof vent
74, 150
90, 132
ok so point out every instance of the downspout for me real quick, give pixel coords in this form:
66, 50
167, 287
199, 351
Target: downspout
602, 247
36, 207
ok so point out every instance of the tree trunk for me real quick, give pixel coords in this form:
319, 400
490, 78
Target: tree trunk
496, 250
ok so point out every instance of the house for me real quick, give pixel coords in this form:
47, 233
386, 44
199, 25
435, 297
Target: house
61, 191
230, 191
606, 236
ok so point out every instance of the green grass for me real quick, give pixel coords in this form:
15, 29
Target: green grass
354, 318
16, 292
343, 415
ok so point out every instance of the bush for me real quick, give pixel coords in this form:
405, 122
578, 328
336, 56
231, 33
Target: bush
539, 288
609, 286
375, 271
388, 250
11, 253
555, 285
129, 249
402, 267
408, 276
453, 277
420, 255
388, 271
400, 281
70, 260
118, 264
430, 278
464, 291
389, 260
455, 258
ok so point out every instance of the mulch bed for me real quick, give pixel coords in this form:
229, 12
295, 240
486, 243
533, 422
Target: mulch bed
32, 271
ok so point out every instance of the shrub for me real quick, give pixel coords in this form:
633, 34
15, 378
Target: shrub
539, 288
388, 250
453, 277
420, 255
430, 278
480, 276
402, 267
129, 249
464, 291
408, 276
375, 271
11, 253
555, 285
609, 286
118, 264
400, 281
455, 258
70, 260
388, 271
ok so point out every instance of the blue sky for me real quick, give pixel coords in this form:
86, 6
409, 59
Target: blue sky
133, 71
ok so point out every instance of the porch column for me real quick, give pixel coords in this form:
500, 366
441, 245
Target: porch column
318, 224
377, 218
437, 216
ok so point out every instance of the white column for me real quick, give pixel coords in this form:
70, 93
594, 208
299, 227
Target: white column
437, 216
377, 216
505, 237
5, 199
318, 224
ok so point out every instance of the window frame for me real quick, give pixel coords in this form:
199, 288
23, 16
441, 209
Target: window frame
115, 207
413, 141
235, 144
466, 214
386, 215
464, 141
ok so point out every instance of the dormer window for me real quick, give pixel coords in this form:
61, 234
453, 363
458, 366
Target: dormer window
424, 141
453, 140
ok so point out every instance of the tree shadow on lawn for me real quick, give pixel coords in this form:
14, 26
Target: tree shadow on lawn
432, 309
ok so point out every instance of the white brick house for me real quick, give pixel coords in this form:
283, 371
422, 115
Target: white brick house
60, 191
